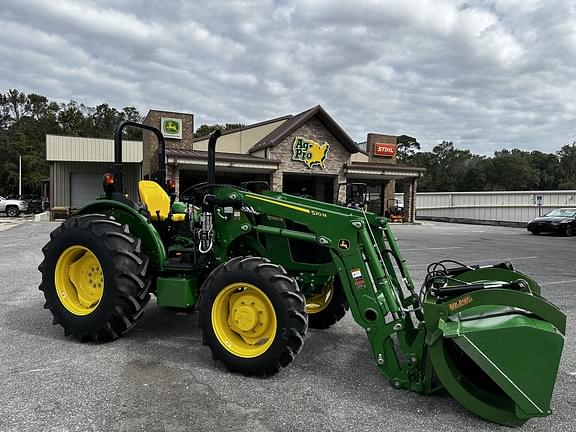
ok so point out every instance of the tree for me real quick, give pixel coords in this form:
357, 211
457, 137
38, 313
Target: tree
205, 129
105, 119
406, 148
15, 103
512, 171
567, 155
548, 166
73, 119
25, 120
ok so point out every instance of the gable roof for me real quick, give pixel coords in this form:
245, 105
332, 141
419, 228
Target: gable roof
294, 122
243, 128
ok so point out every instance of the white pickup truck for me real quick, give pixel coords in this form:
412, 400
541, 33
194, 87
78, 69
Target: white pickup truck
12, 207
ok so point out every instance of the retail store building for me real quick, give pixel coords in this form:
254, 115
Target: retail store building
307, 154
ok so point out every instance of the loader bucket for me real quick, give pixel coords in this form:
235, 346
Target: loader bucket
496, 351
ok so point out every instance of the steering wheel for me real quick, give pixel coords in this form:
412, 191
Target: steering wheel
189, 194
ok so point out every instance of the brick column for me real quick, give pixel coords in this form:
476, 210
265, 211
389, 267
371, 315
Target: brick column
340, 192
410, 201
413, 200
150, 143
276, 181
389, 190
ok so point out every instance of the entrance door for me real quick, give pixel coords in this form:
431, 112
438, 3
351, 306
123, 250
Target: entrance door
374, 198
316, 187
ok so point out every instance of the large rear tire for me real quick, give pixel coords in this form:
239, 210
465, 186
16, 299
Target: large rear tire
326, 307
94, 278
252, 316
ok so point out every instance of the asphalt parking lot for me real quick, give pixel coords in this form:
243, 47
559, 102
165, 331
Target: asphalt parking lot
160, 377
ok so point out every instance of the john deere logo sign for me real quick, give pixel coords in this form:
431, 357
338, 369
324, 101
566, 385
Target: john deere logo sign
310, 152
171, 128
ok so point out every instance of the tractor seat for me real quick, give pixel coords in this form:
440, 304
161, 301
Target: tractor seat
157, 201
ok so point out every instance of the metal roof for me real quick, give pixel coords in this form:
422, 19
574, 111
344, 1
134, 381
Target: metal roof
383, 169
78, 149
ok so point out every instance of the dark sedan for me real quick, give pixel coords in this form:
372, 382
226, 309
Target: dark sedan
560, 221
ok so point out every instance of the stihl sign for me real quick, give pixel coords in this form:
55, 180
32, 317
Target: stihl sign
381, 149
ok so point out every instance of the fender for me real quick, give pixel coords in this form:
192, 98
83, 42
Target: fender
139, 225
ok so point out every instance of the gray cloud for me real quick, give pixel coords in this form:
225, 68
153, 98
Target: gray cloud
486, 74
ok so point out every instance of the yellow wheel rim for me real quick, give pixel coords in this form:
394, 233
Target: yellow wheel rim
244, 320
319, 302
79, 280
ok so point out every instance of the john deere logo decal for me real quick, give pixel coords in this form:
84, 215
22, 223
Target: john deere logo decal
171, 128
310, 152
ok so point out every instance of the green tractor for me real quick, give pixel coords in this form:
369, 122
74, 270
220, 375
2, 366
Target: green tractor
263, 267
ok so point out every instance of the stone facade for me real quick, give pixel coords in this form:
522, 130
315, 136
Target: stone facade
150, 145
371, 141
334, 163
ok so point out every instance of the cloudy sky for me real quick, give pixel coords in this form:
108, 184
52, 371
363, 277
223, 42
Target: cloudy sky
484, 74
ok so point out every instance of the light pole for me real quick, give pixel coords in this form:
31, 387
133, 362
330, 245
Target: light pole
19, 175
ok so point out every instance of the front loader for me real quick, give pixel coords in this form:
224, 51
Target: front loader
262, 268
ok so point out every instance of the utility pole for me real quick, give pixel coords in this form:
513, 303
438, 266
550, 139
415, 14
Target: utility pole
20, 175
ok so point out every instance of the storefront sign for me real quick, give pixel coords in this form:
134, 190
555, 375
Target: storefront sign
310, 152
171, 127
384, 149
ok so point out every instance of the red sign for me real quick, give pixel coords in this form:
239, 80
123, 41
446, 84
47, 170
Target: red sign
383, 149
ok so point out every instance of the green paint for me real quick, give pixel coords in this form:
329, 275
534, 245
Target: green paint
177, 291
498, 363
139, 225
171, 127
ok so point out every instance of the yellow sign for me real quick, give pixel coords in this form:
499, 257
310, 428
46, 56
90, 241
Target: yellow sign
310, 152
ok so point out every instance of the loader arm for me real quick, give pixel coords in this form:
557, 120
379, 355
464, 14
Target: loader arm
422, 342
365, 257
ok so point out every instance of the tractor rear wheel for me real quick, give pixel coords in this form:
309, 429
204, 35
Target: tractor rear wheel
94, 278
252, 316
327, 307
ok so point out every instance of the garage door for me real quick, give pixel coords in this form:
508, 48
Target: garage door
84, 188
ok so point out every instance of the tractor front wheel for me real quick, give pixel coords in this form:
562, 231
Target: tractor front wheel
94, 278
252, 316
326, 307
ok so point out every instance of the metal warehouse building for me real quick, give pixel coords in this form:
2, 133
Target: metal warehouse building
77, 165
307, 154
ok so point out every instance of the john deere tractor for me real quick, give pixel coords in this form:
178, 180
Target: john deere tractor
262, 268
